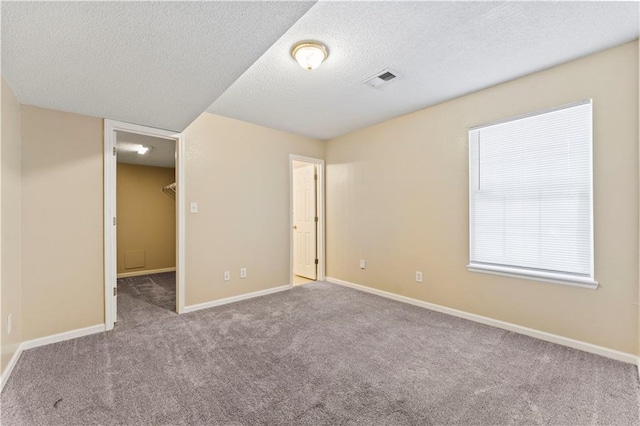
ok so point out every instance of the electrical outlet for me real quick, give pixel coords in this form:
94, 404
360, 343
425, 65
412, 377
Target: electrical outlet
227, 275
418, 276
9, 323
363, 264
243, 272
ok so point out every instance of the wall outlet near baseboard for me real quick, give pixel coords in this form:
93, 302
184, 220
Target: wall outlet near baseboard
363, 264
418, 276
227, 275
9, 323
243, 272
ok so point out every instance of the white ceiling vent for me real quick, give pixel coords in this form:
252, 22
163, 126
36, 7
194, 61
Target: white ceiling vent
381, 78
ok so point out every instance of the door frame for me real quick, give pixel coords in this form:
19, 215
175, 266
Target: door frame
320, 242
110, 235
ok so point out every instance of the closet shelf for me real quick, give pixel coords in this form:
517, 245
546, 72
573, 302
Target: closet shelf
170, 190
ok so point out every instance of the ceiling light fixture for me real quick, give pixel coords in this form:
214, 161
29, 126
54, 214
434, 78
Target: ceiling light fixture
309, 54
143, 149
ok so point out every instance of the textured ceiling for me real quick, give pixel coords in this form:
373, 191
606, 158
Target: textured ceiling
153, 63
162, 63
162, 153
439, 50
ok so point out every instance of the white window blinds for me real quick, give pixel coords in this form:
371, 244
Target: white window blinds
530, 196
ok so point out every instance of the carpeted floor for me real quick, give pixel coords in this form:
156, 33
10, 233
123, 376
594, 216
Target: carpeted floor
318, 354
145, 299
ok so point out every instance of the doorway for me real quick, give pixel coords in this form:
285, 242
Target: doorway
127, 151
145, 228
307, 219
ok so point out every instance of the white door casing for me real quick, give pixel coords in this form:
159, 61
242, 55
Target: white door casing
320, 202
110, 220
304, 222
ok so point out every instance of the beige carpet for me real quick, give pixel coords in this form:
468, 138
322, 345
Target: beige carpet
319, 354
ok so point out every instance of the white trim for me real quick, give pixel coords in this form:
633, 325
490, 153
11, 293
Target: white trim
9, 368
110, 128
233, 299
181, 206
145, 272
529, 274
47, 340
60, 337
320, 201
110, 267
557, 277
553, 338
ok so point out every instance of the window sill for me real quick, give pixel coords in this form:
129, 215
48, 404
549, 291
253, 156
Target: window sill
583, 282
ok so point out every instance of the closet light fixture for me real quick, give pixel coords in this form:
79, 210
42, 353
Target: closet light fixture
309, 54
143, 149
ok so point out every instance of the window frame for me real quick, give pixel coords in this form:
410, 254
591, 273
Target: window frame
557, 277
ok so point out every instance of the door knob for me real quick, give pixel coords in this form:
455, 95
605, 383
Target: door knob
295, 227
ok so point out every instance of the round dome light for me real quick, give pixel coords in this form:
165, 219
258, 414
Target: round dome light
309, 54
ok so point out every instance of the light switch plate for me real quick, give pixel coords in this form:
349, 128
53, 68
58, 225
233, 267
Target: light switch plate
193, 207
363, 264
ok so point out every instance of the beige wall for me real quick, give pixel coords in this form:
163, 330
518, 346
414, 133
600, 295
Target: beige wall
398, 197
239, 174
10, 202
146, 217
62, 211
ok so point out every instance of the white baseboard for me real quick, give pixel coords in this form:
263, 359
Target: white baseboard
554, 338
67, 335
12, 363
47, 340
145, 272
233, 299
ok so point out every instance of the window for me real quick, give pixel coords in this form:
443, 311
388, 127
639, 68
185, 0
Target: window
531, 196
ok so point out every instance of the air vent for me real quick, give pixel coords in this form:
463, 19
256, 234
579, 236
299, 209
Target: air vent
380, 78
387, 76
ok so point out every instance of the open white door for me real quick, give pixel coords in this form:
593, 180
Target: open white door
305, 221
